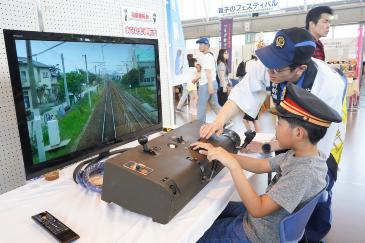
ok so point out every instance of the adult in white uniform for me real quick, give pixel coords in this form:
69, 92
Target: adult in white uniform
287, 59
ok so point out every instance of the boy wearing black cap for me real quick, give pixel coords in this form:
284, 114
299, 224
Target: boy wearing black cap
301, 172
288, 60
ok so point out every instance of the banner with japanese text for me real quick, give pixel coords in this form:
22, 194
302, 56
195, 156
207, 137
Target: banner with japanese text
178, 73
226, 28
247, 6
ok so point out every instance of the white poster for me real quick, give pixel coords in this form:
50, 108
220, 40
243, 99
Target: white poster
139, 23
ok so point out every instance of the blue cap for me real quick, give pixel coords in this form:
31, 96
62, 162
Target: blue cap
290, 46
203, 40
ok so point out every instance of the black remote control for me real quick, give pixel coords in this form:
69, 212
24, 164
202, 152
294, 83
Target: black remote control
60, 231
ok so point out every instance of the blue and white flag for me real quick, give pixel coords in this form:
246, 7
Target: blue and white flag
177, 52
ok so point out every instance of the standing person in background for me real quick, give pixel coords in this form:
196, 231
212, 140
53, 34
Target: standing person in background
249, 62
222, 75
241, 70
248, 120
185, 91
183, 98
208, 86
318, 23
189, 56
194, 77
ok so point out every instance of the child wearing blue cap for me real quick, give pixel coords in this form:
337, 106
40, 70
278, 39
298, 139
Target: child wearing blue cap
300, 172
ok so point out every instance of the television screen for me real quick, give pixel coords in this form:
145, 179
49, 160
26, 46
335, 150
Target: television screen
77, 95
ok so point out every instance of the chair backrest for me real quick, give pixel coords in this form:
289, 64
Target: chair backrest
292, 227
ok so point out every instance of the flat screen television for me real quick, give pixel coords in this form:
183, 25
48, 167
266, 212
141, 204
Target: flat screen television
80, 95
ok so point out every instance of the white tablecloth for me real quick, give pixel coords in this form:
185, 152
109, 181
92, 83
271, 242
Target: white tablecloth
96, 221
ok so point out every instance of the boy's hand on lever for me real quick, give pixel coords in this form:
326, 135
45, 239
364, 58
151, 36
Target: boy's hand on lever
201, 147
217, 153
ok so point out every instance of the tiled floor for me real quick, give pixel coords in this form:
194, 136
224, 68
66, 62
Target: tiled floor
349, 191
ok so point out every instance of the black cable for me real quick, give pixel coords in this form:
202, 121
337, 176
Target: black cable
78, 171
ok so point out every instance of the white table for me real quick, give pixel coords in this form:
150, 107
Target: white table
96, 221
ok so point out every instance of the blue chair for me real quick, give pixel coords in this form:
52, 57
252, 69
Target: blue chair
292, 227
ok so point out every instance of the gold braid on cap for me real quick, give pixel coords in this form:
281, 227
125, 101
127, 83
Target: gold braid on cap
293, 108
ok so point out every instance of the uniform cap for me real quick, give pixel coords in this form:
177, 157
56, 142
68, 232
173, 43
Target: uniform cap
300, 103
290, 46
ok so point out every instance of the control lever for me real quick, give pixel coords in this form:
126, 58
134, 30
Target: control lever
180, 139
266, 149
249, 136
143, 140
214, 168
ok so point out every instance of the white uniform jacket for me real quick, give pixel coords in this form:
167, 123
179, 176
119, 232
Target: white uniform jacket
326, 83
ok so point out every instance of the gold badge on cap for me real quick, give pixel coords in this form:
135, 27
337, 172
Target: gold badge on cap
280, 41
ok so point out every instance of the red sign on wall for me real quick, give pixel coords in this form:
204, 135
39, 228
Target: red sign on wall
139, 23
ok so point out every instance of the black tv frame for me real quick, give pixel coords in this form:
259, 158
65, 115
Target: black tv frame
34, 170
